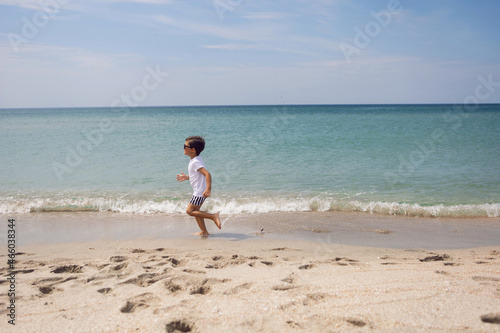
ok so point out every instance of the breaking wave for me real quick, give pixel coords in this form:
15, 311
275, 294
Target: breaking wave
243, 205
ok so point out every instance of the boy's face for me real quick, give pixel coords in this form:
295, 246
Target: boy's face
188, 150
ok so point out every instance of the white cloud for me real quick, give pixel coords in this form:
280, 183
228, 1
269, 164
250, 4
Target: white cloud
233, 47
32, 4
39, 4
49, 56
153, 2
372, 62
246, 33
268, 16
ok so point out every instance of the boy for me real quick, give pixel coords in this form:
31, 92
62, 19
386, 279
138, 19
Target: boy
201, 181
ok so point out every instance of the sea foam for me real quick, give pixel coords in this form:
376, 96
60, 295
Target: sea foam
242, 205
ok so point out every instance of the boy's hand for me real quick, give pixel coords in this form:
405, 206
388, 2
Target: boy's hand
207, 193
182, 177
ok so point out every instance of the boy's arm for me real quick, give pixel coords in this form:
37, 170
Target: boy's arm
181, 177
208, 177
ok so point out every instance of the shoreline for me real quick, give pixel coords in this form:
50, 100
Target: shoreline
260, 285
354, 228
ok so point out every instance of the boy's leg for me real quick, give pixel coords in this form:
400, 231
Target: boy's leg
194, 211
203, 228
201, 225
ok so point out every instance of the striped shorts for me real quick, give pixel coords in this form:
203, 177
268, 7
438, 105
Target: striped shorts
197, 201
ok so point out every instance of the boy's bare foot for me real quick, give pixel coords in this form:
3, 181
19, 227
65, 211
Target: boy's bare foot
217, 220
203, 234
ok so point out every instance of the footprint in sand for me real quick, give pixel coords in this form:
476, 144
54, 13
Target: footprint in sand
20, 271
118, 268
491, 318
193, 271
118, 258
314, 298
283, 288
284, 249
138, 302
489, 282
105, 291
435, 258
356, 322
220, 262
68, 269
264, 262
144, 280
46, 289
345, 259
179, 326
47, 285
53, 280
294, 324
342, 261
173, 261
238, 289
172, 285
206, 285
193, 283
201, 290
289, 279
485, 279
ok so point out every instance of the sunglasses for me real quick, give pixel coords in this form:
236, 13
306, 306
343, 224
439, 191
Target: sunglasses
187, 147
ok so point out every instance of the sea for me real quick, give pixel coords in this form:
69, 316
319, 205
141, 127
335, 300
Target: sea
413, 160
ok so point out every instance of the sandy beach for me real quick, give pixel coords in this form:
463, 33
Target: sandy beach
245, 279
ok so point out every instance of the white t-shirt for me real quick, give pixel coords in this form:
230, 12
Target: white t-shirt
196, 178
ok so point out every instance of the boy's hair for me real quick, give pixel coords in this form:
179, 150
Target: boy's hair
196, 142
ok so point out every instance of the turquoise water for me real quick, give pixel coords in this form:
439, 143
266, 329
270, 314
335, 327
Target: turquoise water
419, 160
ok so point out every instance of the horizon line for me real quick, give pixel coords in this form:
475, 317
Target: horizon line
230, 105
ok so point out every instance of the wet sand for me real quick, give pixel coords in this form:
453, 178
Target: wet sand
360, 229
93, 272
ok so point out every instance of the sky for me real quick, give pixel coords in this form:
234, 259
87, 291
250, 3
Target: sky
75, 53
